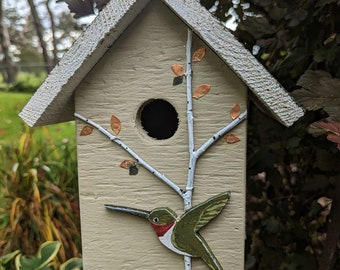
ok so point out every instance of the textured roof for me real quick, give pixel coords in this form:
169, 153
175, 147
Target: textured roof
53, 102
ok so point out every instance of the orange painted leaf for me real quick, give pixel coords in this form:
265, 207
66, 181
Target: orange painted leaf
87, 130
231, 138
198, 55
201, 91
178, 69
115, 124
235, 111
126, 164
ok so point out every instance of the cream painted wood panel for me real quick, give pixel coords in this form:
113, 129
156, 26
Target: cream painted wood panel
135, 70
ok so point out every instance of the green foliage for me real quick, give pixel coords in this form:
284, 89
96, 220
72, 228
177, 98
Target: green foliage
31, 61
7, 259
40, 197
42, 260
72, 264
11, 126
289, 171
27, 82
45, 254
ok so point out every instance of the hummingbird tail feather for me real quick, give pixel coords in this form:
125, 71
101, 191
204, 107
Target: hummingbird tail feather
208, 256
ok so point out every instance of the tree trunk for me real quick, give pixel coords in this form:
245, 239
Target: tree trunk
10, 72
40, 33
54, 40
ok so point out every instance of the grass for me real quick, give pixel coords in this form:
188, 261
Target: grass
12, 126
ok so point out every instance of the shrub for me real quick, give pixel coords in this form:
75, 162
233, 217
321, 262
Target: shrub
40, 189
27, 82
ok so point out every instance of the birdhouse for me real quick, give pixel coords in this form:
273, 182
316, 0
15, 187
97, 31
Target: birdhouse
159, 92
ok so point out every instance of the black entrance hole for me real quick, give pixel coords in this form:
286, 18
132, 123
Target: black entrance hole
159, 119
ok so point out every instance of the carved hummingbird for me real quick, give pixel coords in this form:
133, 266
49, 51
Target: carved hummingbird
180, 234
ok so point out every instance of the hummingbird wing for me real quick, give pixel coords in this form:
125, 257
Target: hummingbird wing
201, 214
185, 234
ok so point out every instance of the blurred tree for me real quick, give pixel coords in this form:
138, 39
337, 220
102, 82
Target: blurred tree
53, 31
23, 27
40, 33
10, 70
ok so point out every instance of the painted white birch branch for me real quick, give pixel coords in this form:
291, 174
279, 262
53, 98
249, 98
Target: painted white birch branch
190, 119
138, 159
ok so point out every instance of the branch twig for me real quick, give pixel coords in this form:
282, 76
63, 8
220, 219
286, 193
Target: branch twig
219, 134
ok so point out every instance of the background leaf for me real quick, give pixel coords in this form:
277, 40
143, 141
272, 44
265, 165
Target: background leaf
81, 8
318, 90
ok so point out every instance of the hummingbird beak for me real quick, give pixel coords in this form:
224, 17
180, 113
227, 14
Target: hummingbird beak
133, 211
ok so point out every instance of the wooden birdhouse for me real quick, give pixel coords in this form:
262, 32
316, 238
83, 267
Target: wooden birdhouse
159, 93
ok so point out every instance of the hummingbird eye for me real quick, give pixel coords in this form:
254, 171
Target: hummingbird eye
155, 219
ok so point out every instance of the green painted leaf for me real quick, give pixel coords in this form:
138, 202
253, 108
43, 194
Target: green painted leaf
133, 170
177, 80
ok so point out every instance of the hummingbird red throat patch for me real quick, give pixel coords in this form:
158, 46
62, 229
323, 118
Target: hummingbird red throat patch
162, 229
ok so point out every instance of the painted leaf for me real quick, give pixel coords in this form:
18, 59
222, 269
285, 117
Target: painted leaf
178, 69
126, 164
177, 80
115, 124
231, 138
235, 111
198, 55
201, 90
86, 130
133, 170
